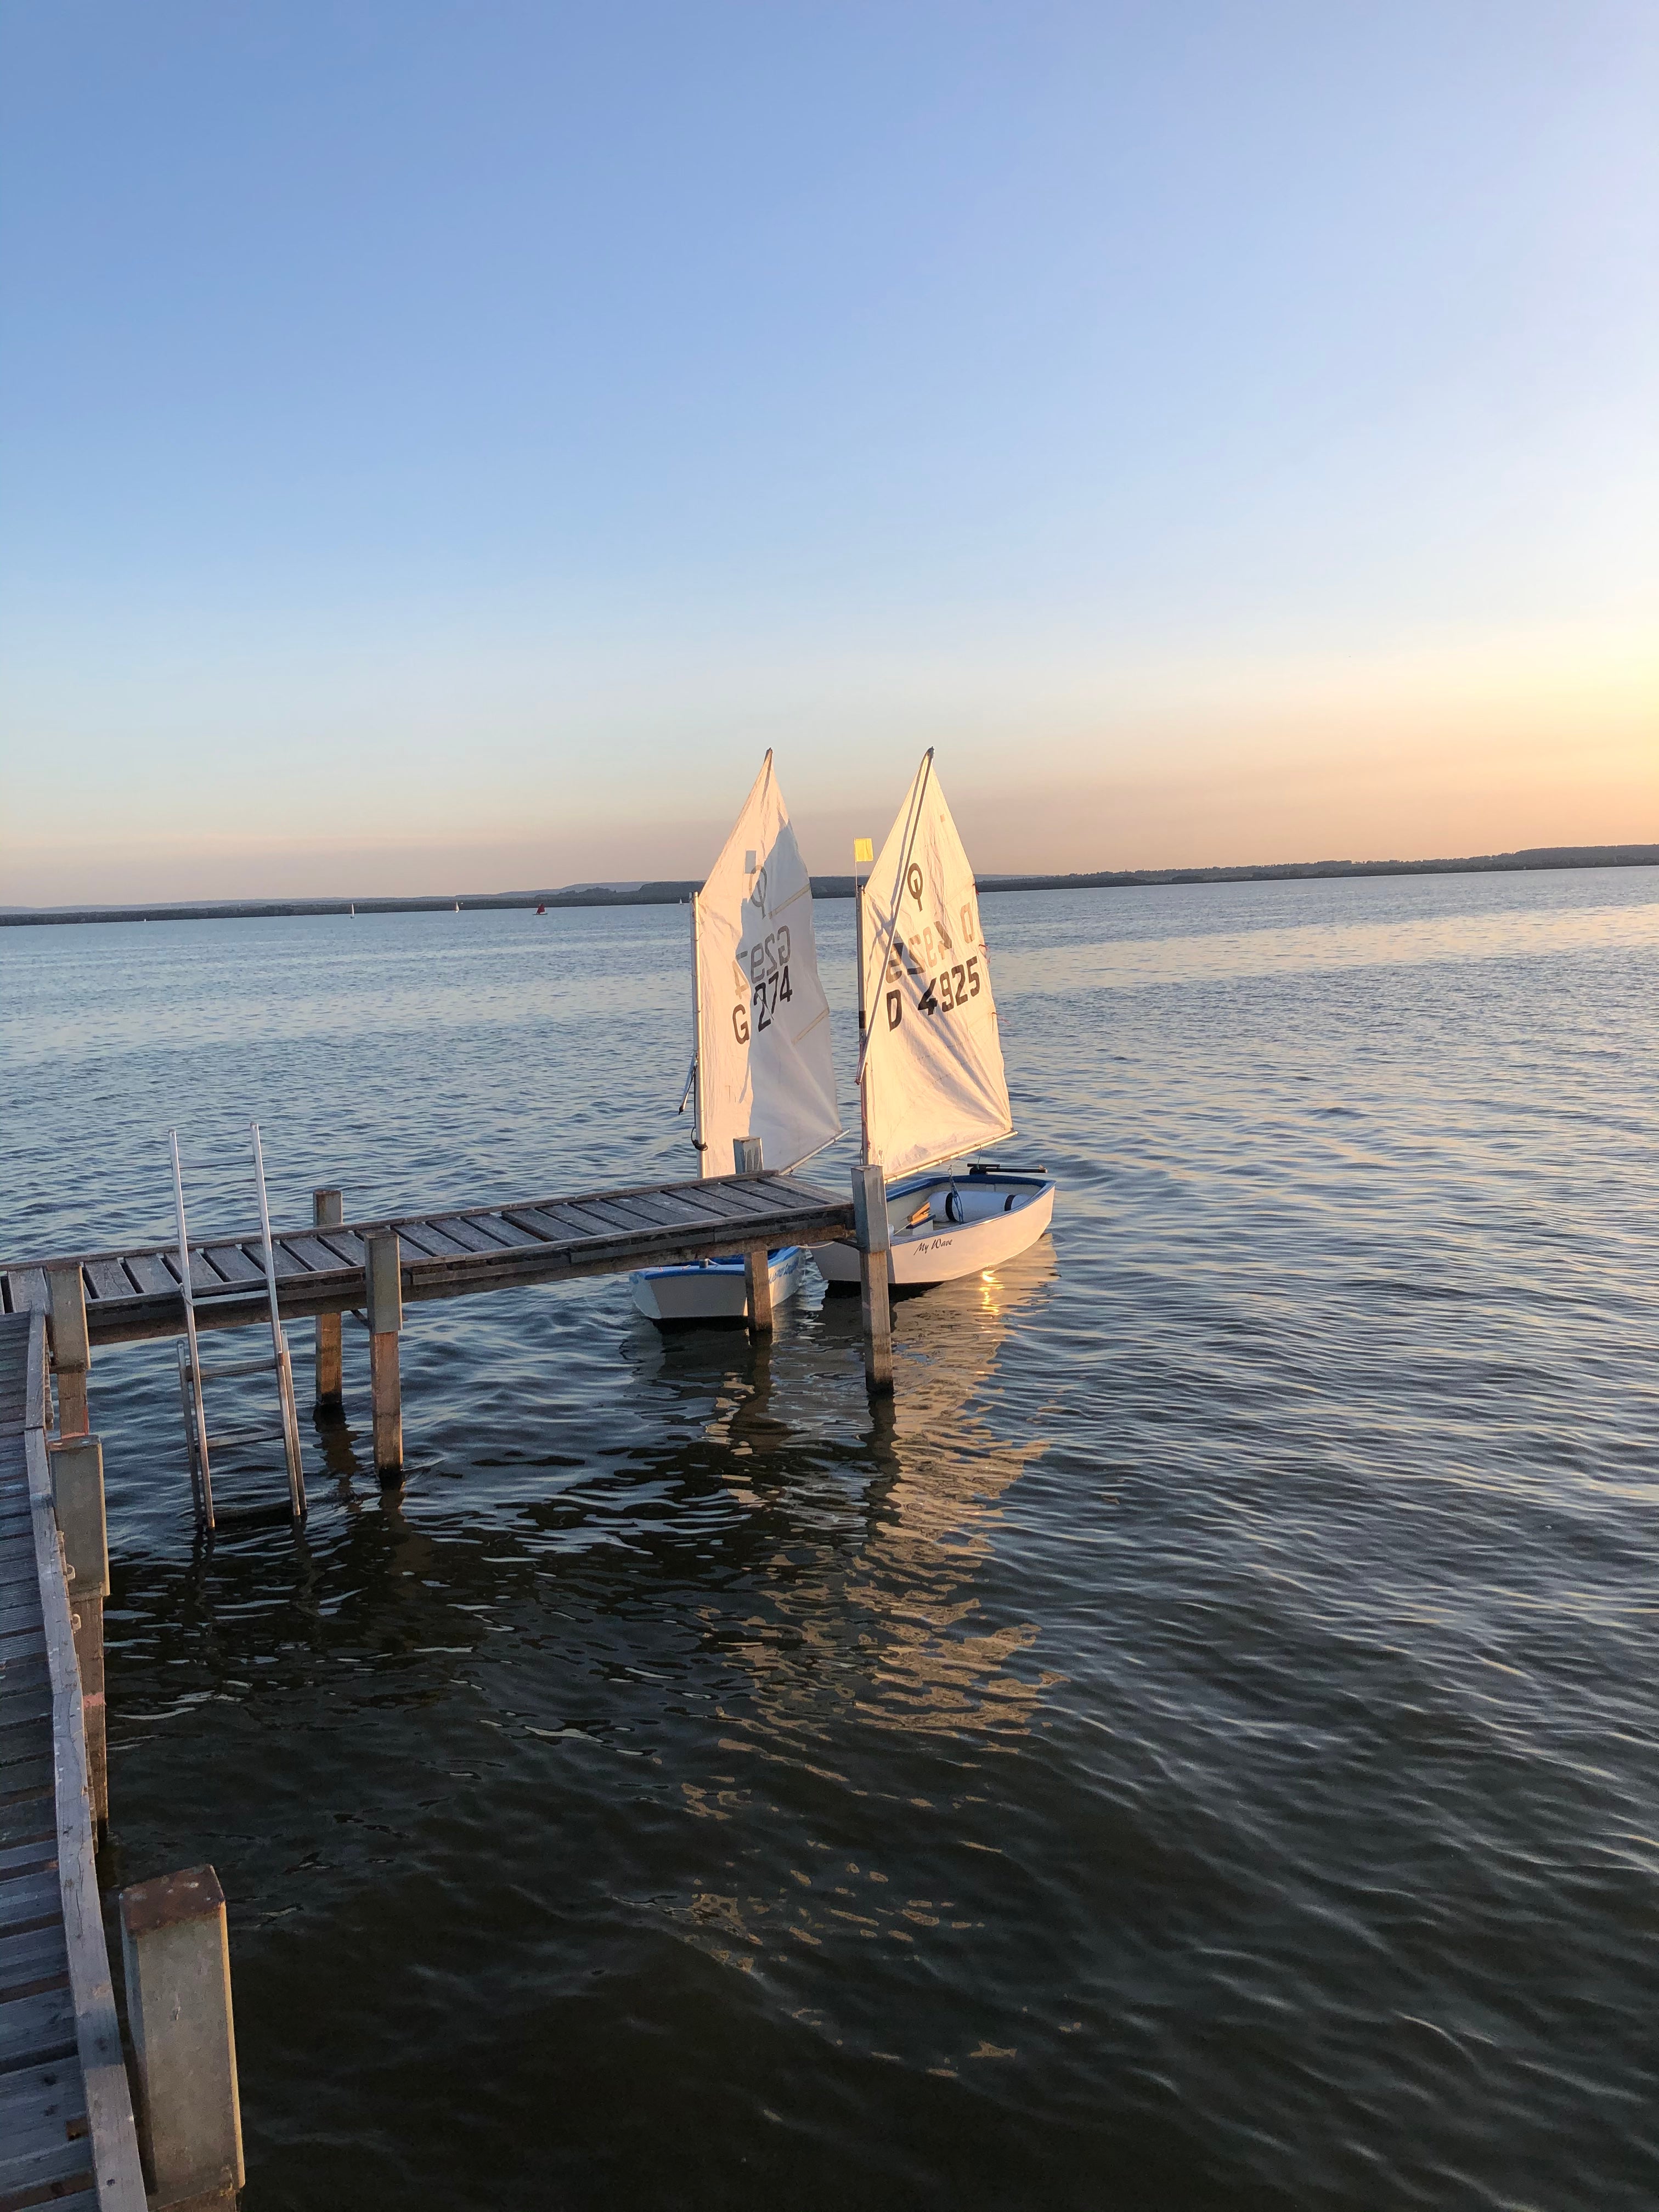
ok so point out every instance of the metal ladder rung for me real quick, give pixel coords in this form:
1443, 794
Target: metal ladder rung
236, 1367
242, 1437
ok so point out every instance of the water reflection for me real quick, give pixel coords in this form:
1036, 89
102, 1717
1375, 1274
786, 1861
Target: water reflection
887, 1629
1129, 963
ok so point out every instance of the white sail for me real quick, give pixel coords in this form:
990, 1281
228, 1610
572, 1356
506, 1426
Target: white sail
764, 1065
933, 1074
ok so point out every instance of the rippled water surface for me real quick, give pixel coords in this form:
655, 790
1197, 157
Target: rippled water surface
1201, 1748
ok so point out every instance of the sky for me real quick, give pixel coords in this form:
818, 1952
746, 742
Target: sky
441, 446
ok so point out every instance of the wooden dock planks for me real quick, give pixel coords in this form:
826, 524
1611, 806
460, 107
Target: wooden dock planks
448, 1253
66, 2125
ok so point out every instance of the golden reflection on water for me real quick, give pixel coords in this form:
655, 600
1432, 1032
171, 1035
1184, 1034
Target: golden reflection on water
889, 1633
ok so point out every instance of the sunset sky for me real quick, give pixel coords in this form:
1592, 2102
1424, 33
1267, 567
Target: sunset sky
441, 446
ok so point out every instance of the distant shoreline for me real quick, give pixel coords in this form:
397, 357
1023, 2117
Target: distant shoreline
833, 887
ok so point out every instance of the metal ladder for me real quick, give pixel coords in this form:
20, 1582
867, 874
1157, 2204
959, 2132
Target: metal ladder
192, 1373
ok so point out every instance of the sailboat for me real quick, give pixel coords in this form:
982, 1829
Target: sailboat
761, 1048
932, 1084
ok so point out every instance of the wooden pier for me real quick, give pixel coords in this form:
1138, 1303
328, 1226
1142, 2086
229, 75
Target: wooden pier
74, 2128
132, 1293
67, 2134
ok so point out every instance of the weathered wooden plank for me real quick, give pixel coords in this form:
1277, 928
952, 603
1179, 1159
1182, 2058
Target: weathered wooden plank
36, 1959
22, 1702
27, 1858
22, 1661
439, 1243
43, 2132
676, 1209
561, 1225
346, 1245
43, 2101
734, 1201
30, 1900
497, 1225
26, 1289
231, 1262
625, 1215
768, 1193
202, 1277
465, 1230
23, 1819
426, 1242
631, 1214
27, 1730
37, 2029
112, 2135
593, 1221
311, 1255
107, 1279
149, 1274
26, 1777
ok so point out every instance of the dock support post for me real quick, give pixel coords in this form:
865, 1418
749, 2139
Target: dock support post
71, 1351
77, 1491
870, 1228
756, 1265
178, 1975
382, 1267
328, 1212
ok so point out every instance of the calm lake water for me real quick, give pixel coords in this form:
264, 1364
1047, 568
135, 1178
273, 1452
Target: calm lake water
1201, 1749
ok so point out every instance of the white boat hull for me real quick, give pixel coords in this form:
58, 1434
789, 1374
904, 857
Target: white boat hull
712, 1290
1002, 1214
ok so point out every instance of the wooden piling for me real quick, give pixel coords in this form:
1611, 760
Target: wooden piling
77, 1489
71, 1352
756, 1264
327, 1211
383, 1270
871, 1231
178, 1975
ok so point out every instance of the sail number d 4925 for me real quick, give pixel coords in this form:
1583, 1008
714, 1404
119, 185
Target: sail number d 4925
950, 988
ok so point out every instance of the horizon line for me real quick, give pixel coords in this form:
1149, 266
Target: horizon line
671, 891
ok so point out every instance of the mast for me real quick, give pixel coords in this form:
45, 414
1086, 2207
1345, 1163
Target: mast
857, 941
697, 1038
910, 828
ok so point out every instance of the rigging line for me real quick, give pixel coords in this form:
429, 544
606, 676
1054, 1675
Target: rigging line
911, 828
812, 1155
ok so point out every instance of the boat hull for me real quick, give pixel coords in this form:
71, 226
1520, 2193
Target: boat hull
712, 1290
1004, 1214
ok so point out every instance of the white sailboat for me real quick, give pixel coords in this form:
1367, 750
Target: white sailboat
761, 1064
932, 1084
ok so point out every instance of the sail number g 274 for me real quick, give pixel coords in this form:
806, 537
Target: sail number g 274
763, 983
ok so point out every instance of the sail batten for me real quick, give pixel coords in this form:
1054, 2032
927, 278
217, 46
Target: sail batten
764, 1062
932, 1076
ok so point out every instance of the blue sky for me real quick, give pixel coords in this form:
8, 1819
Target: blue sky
444, 445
